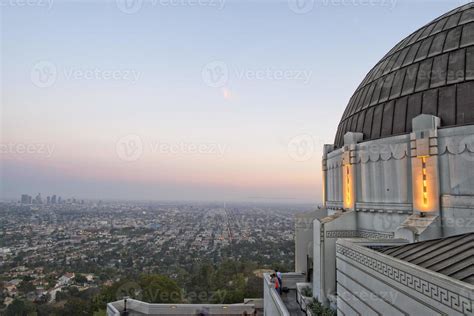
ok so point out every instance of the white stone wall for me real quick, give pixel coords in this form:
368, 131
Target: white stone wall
334, 176
371, 283
304, 238
326, 231
383, 177
456, 160
380, 222
382, 172
458, 214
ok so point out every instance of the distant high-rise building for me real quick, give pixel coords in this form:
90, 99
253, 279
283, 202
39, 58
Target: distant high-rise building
59, 200
38, 199
48, 200
25, 199
53, 199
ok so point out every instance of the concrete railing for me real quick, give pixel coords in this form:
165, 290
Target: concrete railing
179, 309
273, 304
112, 311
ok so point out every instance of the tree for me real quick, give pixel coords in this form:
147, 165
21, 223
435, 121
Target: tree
20, 308
159, 289
16, 308
77, 307
48, 310
26, 287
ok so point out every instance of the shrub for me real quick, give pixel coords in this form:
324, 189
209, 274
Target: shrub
306, 291
319, 310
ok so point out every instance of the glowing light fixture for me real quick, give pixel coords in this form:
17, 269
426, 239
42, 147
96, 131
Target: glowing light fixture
348, 189
424, 182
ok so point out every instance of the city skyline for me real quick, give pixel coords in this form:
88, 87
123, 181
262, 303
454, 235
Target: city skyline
207, 109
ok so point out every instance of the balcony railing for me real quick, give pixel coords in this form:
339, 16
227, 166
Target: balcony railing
286, 304
141, 308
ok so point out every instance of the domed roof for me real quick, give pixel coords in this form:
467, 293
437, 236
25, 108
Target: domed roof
429, 72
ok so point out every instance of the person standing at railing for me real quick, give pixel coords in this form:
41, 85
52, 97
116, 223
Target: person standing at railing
274, 280
280, 281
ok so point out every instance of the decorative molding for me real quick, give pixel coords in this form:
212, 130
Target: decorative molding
447, 149
377, 207
377, 210
334, 205
342, 234
369, 234
365, 158
433, 291
330, 165
371, 153
456, 144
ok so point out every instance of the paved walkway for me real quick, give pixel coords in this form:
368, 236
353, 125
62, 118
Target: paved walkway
291, 304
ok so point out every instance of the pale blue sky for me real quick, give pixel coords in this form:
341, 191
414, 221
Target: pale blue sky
161, 56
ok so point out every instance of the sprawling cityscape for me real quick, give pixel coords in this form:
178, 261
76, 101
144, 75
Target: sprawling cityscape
55, 246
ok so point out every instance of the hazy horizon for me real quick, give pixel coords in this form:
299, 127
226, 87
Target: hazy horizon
184, 100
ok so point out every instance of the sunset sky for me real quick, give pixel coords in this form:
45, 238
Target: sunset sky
184, 99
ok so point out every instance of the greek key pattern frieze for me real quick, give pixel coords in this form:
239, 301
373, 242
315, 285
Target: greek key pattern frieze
448, 298
369, 234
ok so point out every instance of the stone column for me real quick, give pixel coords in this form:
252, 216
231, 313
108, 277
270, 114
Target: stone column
326, 150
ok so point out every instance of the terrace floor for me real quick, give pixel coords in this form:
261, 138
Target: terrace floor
291, 304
